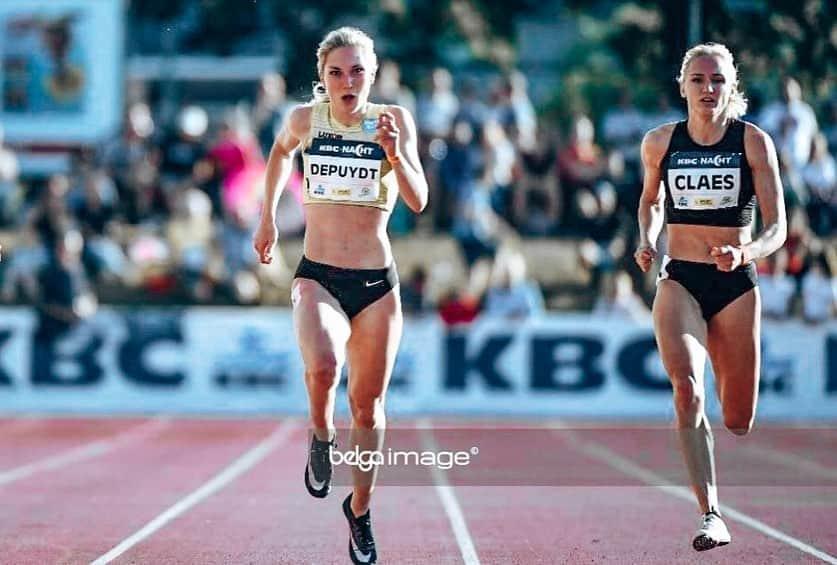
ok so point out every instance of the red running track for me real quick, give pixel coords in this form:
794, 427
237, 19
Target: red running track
201, 491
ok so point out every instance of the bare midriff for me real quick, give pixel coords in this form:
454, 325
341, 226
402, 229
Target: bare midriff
351, 237
690, 242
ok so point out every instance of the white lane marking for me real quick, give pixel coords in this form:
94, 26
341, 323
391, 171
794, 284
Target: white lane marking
602, 453
791, 460
83, 452
447, 496
241, 465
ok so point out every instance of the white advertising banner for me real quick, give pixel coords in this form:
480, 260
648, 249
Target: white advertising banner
246, 361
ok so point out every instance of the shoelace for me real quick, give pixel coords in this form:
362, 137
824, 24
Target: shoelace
320, 458
709, 520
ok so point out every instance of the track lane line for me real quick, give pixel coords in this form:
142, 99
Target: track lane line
447, 496
790, 460
83, 452
628, 467
242, 464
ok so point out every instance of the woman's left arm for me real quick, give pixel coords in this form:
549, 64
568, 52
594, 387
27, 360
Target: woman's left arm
761, 155
397, 135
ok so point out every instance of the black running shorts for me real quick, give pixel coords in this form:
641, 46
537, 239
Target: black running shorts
713, 289
354, 289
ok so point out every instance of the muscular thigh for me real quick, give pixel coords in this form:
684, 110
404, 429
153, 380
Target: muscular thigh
321, 326
376, 334
733, 339
680, 331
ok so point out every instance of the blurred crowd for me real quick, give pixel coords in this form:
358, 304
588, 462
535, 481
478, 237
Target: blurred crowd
164, 212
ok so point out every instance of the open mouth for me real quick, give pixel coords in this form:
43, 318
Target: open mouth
348, 98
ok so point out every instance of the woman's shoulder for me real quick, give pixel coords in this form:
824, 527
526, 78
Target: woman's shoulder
757, 142
298, 118
656, 140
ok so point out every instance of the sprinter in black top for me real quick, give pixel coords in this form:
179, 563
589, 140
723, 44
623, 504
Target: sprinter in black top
708, 185
702, 177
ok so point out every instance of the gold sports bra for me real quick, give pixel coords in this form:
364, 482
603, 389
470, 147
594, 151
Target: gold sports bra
344, 165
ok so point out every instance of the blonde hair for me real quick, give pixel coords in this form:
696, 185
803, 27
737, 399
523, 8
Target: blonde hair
341, 37
737, 105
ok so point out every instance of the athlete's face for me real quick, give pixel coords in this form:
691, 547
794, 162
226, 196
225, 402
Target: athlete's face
707, 85
349, 73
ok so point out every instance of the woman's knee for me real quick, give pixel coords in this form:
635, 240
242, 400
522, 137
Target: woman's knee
322, 371
688, 397
366, 408
739, 422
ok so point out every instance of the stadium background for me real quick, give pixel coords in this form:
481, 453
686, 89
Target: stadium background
134, 137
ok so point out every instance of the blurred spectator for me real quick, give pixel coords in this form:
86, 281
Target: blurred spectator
459, 306
471, 108
500, 158
64, 296
791, 122
777, 289
102, 256
388, 89
512, 109
830, 126
11, 190
238, 167
144, 201
132, 146
536, 198
799, 242
460, 165
190, 234
623, 127
618, 299
50, 216
511, 294
269, 110
581, 166
819, 291
186, 145
22, 265
794, 189
663, 113
438, 108
413, 290
477, 227
820, 176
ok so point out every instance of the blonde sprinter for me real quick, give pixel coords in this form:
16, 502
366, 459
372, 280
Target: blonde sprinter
704, 176
358, 157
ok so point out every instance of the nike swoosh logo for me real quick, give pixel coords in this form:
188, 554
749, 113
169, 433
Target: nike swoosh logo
362, 557
315, 484
368, 284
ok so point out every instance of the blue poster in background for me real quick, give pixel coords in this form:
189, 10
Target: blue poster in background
61, 70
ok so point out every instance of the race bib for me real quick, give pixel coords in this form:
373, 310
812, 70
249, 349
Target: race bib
341, 170
704, 181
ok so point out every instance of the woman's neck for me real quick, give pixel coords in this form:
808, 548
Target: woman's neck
350, 119
707, 131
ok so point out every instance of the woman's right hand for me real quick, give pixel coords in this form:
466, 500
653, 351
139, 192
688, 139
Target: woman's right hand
645, 256
264, 239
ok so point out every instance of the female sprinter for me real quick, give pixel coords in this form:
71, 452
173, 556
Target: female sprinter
358, 157
706, 174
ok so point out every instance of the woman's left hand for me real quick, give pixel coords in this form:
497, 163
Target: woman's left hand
387, 135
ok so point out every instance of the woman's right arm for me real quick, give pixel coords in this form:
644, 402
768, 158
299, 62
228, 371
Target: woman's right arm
650, 214
279, 166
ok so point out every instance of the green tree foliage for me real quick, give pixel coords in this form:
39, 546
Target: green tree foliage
642, 43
